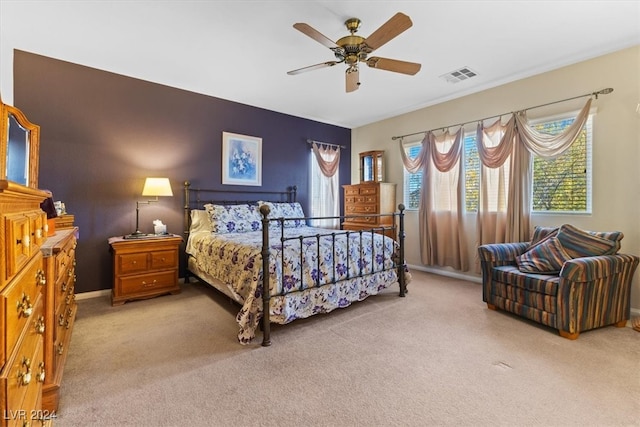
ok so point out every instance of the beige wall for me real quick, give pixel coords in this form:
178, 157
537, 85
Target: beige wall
616, 146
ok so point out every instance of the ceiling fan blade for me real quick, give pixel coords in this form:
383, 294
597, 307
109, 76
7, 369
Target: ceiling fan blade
315, 34
352, 79
312, 67
394, 65
387, 31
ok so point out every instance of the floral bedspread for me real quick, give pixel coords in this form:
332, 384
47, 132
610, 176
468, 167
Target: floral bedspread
296, 286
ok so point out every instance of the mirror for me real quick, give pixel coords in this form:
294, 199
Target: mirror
371, 166
19, 147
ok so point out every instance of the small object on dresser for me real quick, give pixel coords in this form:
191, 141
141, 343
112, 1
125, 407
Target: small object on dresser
64, 221
48, 206
159, 228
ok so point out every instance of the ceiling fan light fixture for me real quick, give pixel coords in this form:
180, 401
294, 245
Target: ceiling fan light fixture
352, 49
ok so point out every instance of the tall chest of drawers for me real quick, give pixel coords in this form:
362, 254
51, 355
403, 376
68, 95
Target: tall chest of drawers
22, 280
59, 309
370, 198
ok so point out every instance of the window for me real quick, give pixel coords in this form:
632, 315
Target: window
412, 181
564, 184
324, 195
471, 173
559, 185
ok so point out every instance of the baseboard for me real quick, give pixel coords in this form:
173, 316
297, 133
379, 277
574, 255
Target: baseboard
93, 294
104, 292
446, 272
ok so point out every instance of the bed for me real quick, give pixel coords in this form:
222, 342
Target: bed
233, 237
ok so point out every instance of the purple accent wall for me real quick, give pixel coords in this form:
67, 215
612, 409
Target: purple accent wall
103, 133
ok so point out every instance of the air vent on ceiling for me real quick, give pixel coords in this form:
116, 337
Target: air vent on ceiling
459, 75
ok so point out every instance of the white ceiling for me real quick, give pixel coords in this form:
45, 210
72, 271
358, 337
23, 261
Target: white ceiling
241, 50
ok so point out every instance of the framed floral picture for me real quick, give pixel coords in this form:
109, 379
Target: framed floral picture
241, 159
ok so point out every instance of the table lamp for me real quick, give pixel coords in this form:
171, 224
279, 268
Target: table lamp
152, 187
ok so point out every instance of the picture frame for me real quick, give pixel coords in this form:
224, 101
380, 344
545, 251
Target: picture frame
241, 159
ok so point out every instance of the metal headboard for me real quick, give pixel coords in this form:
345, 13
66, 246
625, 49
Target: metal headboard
196, 198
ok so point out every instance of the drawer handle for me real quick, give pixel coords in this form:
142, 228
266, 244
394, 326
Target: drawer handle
41, 278
149, 285
24, 378
40, 325
60, 348
39, 233
25, 241
41, 375
63, 287
24, 307
61, 320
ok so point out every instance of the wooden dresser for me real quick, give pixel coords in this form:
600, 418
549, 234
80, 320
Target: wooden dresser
369, 198
144, 268
59, 309
22, 283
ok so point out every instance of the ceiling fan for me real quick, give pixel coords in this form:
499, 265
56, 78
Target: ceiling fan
353, 49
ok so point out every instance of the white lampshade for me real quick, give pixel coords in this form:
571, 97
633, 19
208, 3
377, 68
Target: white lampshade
157, 187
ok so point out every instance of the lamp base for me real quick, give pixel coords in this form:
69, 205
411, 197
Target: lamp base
133, 236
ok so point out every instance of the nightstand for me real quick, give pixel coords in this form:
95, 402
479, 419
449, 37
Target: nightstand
144, 267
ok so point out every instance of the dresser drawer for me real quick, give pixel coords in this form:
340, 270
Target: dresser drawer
37, 221
17, 302
164, 259
62, 338
17, 242
65, 285
372, 220
363, 209
25, 371
132, 263
368, 190
151, 283
351, 191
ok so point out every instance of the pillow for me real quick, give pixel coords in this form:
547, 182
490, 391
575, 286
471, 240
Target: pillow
233, 218
580, 243
614, 236
285, 210
546, 257
540, 234
199, 221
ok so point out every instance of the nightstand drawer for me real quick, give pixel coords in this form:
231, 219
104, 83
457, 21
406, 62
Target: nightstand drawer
132, 263
164, 259
147, 283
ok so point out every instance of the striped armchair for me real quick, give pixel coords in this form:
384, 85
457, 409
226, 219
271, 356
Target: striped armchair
587, 292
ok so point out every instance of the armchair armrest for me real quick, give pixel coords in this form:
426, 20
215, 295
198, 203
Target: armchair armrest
501, 253
597, 267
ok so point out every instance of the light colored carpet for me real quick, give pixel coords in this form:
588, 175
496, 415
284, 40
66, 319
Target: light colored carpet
436, 357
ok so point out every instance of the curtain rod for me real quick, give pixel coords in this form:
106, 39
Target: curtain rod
600, 92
